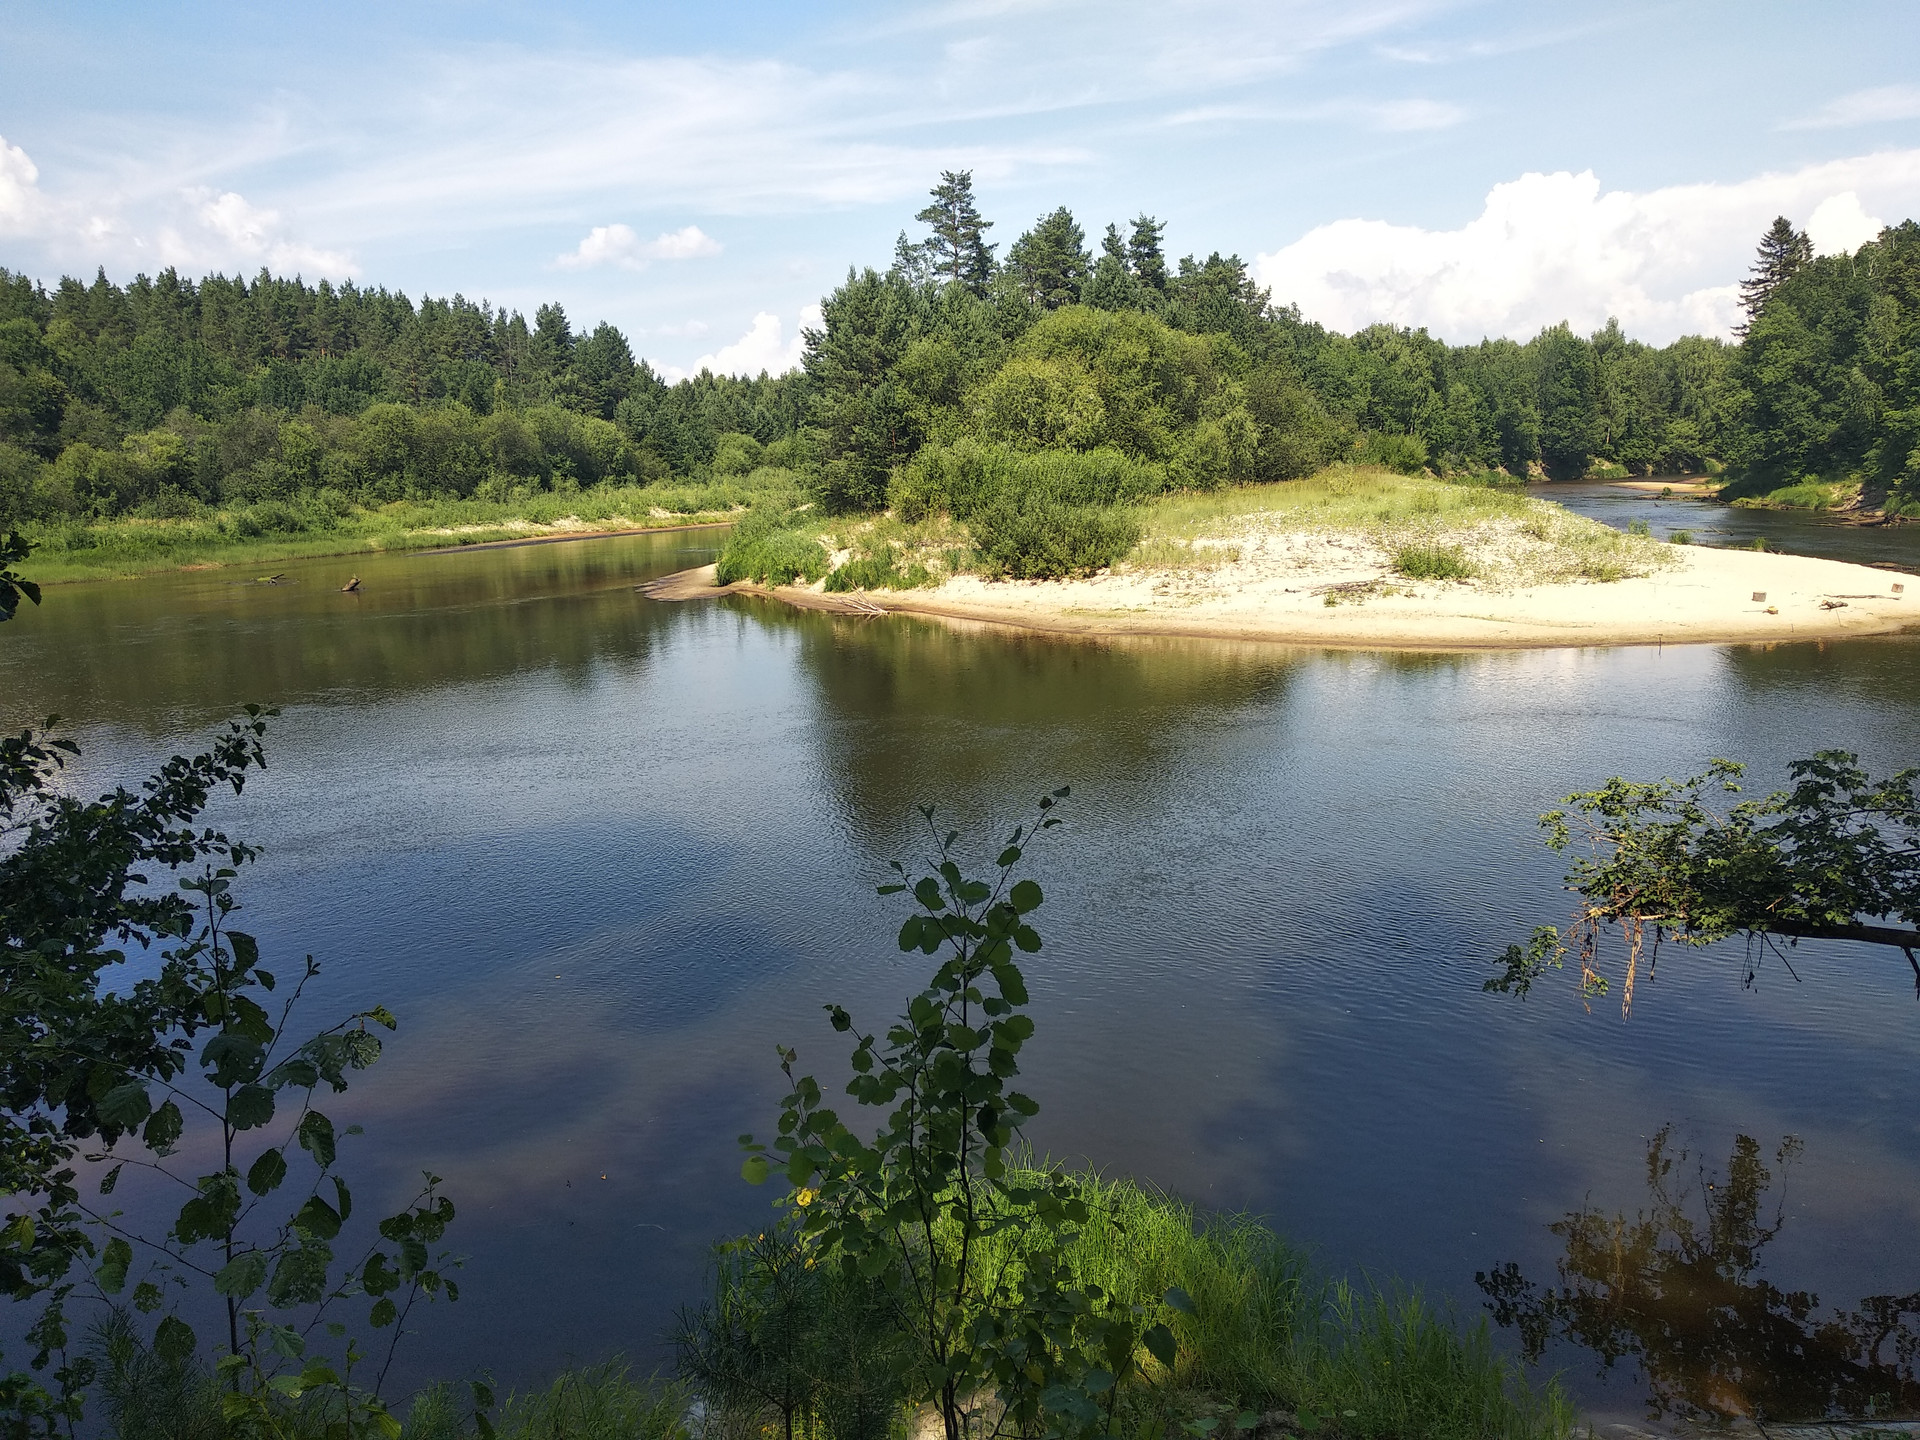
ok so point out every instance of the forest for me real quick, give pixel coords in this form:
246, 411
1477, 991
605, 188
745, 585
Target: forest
170, 399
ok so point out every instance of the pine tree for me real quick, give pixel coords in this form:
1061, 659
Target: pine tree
1111, 285
1050, 261
1783, 250
911, 262
1144, 255
958, 248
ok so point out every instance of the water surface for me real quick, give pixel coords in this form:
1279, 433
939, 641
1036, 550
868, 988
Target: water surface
602, 854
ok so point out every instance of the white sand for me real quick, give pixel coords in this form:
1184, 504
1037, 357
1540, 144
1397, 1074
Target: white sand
1279, 592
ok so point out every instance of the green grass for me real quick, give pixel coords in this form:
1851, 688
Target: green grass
1433, 562
1267, 1331
325, 523
1807, 494
1495, 534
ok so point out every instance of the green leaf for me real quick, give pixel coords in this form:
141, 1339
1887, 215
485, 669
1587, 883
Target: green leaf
246, 950
114, 1261
125, 1106
1025, 896
316, 1138
1180, 1300
318, 1218
163, 1128
754, 1170
1009, 856
242, 1275
1160, 1344
174, 1340
1246, 1420
111, 1179
250, 1107
266, 1173
384, 1312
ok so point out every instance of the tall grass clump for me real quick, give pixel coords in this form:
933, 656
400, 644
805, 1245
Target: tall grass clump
1423, 561
769, 546
1266, 1331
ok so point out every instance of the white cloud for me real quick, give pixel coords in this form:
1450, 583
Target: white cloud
22, 207
232, 230
1557, 247
765, 347
618, 245
191, 228
1840, 225
1863, 107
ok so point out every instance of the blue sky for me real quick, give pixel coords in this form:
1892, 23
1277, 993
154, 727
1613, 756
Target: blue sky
700, 174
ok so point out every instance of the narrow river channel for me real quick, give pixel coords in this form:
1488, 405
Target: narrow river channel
600, 854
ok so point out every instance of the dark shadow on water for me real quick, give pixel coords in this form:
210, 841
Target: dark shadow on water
1678, 1291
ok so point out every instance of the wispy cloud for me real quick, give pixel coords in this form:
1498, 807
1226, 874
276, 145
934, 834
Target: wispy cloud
1863, 107
619, 245
1388, 115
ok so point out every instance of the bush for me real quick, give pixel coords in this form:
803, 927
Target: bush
1039, 538
766, 547
877, 572
1433, 562
1680, 537
1402, 454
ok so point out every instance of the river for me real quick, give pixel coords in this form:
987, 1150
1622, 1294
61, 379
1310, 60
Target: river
601, 854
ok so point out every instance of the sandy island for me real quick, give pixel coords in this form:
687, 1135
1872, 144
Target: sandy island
1281, 594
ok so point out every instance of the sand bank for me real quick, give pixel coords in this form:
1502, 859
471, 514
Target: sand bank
1706, 598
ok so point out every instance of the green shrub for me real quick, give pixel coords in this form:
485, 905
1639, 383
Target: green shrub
1680, 537
966, 476
1433, 562
1403, 454
877, 572
766, 547
1639, 527
603, 1403
1036, 538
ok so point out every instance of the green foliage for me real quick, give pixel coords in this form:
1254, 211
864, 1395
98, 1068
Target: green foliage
14, 587
1402, 454
88, 1059
911, 1211
877, 572
166, 392
603, 1402
1836, 857
769, 547
1037, 537
1433, 562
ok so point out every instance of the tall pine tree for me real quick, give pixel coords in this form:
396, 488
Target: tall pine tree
1050, 261
1783, 250
958, 248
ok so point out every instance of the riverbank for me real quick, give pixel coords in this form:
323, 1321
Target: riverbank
320, 523
1326, 590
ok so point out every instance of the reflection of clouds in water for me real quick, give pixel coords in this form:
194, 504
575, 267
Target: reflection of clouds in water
599, 885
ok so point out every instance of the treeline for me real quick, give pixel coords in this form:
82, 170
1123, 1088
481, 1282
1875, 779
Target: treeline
165, 396
168, 396
1827, 376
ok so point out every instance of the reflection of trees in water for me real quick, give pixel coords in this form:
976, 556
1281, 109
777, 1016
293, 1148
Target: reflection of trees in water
150, 653
1680, 1293
917, 710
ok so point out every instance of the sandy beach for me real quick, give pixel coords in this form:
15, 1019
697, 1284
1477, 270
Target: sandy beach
1281, 593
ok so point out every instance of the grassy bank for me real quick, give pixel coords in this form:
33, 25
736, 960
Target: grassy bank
1428, 529
323, 523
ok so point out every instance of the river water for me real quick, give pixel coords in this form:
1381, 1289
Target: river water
601, 854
